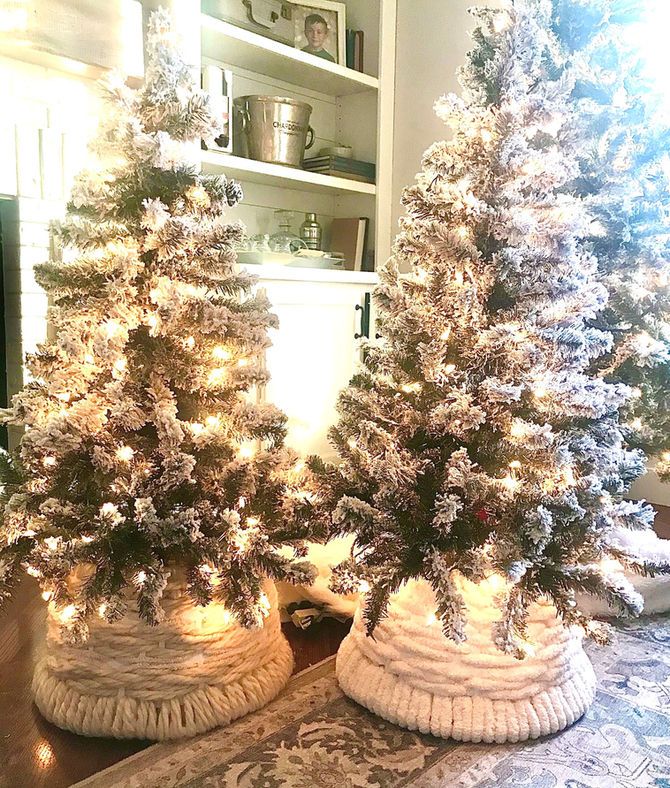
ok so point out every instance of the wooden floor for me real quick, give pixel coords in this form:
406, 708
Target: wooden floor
34, 753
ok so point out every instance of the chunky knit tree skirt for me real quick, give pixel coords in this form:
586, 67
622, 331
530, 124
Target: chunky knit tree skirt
196, 670
411, 675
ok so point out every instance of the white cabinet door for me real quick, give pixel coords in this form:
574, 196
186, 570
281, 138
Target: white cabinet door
314, 354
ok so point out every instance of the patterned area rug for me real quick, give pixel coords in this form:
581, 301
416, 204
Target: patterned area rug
314, 737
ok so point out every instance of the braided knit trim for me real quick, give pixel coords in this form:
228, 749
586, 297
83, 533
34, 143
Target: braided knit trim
196, 670
411, 675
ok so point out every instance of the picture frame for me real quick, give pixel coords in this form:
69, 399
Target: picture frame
320, 29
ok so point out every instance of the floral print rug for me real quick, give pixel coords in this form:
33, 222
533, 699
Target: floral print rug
314, 737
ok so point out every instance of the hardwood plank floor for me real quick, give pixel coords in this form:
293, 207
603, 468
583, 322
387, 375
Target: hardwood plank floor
34, 753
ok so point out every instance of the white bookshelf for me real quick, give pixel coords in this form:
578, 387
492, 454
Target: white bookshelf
349, 107
262, 55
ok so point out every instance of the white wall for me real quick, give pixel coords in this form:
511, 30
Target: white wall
433, 39
47, 119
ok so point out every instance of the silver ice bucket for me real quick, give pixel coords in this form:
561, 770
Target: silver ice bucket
274, 129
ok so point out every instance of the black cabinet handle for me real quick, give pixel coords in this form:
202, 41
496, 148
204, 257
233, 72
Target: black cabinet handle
364, 308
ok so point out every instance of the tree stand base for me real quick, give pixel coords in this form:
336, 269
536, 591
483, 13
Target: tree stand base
411, 675
197, 670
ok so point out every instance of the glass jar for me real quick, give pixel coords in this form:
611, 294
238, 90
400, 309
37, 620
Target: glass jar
310, 232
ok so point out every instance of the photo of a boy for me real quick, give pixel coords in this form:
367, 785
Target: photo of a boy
316, 33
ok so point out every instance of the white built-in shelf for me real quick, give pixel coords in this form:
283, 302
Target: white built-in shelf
285, 177
28, 53
269, 272
227, 43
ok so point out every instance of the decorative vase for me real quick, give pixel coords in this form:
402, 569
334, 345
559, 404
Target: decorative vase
409, 673
196, 670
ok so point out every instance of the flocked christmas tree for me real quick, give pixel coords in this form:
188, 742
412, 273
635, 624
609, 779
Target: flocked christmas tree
143, 451
625, 181
475, 439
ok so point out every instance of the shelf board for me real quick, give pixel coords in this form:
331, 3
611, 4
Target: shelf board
270, 272
253, 171
28, 53
228, 43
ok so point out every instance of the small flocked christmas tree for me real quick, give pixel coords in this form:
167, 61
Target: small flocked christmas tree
477, 441
143, 451
625, 182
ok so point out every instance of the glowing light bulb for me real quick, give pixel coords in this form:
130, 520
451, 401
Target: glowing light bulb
458, 277
510, 483
108, 509
449, 368
64, 396
120, 365
486, 135
411, 388
636, 392
89, 359
112, 328
299, 467
444, 336
500, 23
217, 376
246, 451
363, 587
421, 275
46, 595
67, 613
431, 619
636, 424
540, 392
141, 578
213, 421
152, 321
190, 342
102, 609
351, 443
252, 522
87, 539
665, 456
220, 353
125, 453
515, 464
197, 195
51, 542
33, 571
496, 582
242, 502
243, 362
49, 461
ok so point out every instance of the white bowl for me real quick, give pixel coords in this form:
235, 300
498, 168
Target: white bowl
343, 151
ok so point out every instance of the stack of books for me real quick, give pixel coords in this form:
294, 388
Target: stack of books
342, 168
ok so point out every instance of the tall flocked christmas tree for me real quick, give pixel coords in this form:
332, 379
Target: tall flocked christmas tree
143, 451
625, 181
476, 442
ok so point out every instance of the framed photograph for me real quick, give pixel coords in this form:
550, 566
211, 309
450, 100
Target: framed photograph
320, 29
